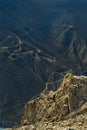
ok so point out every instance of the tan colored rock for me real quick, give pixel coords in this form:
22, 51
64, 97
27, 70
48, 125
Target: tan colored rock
65, 109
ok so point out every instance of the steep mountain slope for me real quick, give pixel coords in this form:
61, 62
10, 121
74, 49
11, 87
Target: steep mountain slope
64, 109
39, 42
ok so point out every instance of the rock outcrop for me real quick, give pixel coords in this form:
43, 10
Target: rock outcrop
64, 109
40, 41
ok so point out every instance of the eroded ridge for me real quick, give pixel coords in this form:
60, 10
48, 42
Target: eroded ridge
63, 109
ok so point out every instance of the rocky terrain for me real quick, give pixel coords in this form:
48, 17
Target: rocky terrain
40, 41
64, 109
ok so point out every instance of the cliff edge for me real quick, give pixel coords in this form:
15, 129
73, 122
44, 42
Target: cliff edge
64, 109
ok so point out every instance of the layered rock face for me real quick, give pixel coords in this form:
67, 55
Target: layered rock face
63, 109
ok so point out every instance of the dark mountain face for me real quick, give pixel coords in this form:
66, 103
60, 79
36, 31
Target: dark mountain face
39, 41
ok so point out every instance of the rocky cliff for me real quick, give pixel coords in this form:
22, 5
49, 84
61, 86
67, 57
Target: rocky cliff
40, 41
64, 109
